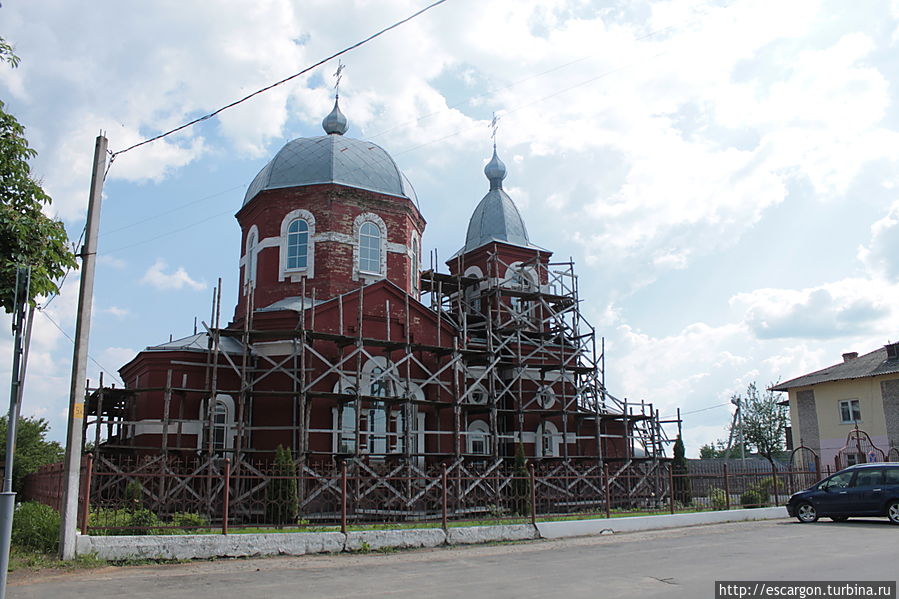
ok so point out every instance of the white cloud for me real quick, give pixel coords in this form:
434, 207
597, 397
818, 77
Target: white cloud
881, 255
117, 312
179, 279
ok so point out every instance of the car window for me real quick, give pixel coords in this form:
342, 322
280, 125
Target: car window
891, 476
868, 477
840, 480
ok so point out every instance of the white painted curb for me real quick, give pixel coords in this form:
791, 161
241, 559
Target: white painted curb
581, 528
301, 543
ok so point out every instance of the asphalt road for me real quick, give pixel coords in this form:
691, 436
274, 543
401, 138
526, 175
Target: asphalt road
672, 563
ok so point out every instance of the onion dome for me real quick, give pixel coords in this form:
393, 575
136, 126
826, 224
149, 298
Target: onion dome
496, 218
332, 158
335, 123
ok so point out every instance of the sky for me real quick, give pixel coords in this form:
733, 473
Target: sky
724, 173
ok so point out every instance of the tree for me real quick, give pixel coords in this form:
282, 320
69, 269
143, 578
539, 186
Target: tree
718, 449
283, 504
682, 487
33, 450
521, 483
764, 422
27, 235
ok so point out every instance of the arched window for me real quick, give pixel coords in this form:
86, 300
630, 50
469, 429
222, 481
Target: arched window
370, 248
547, 440
250, 258
297, 244
221, 428
414, 266
478, 438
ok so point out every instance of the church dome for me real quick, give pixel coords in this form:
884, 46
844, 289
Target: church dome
496, 218
332, 158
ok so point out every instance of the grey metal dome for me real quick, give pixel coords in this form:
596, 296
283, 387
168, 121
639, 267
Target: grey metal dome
496, 218
335, 122
332, 158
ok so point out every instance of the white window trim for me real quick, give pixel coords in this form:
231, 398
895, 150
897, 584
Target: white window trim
296, 274
477, 428
547, 392
556, 441
250, 256
849, 402
414, 263
370, 217
230, 430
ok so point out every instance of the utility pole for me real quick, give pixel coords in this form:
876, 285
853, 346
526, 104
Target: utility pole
8, 496
75, 434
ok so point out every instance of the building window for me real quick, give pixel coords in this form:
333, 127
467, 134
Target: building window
346, 442
414, 266
221, 424
850, 411
547, 440
478, 438
370, 248
478, 395
250, 256
297, 244
546, 398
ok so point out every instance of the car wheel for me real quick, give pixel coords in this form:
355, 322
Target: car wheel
893, 512
807, 513
839, 518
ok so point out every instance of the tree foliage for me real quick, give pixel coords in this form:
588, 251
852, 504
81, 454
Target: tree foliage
719, 449
283, 504
27, 235
683, 491
33, 450
764, 422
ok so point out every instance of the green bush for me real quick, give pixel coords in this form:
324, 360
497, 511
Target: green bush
134, 494
718, 498
36, 526
752, 498
283, 505
189, 521
118, 522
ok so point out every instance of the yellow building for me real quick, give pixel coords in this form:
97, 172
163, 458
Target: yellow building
825, 406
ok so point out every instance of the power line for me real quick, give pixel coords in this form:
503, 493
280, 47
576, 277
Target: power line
276, 84
727, 403
69, 337
176, 209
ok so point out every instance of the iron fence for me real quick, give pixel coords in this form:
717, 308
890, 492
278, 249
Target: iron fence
156, 495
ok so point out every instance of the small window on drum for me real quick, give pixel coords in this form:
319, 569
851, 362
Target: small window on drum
297, 244
370, 248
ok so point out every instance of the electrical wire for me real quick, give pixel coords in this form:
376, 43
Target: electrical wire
727, 403
176, 209
277, 83
69, 337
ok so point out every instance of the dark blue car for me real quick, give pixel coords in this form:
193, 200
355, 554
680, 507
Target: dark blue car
861, 490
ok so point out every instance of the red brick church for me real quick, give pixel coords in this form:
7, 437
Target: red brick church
341, 346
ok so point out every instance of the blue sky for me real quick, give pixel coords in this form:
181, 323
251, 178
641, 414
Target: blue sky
724, 173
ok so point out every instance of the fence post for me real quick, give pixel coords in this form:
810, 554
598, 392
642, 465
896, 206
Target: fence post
343, 497
443, 484
726, 489
86, 505
227, 496
671, 487
774, 478
533, 494
818, 472
605, 469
